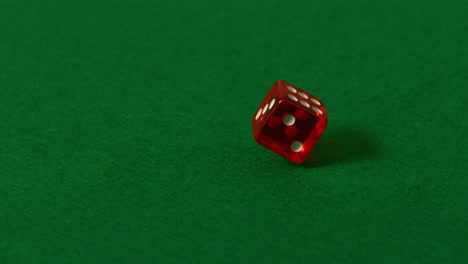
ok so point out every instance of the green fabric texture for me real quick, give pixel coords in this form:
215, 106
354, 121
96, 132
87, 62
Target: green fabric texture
125, 132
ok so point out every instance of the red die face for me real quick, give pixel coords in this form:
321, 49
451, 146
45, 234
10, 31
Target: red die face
289, 121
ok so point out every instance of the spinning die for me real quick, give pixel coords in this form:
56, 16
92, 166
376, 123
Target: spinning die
289, 121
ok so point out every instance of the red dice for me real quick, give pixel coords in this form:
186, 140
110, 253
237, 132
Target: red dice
289, 121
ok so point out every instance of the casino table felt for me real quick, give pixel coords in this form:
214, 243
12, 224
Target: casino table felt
125, 132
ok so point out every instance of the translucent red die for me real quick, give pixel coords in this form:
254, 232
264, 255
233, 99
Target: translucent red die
289, 121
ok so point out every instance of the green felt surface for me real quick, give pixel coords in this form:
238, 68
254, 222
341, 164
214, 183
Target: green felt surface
125, 132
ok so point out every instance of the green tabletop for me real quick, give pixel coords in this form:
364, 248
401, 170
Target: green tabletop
125, 132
